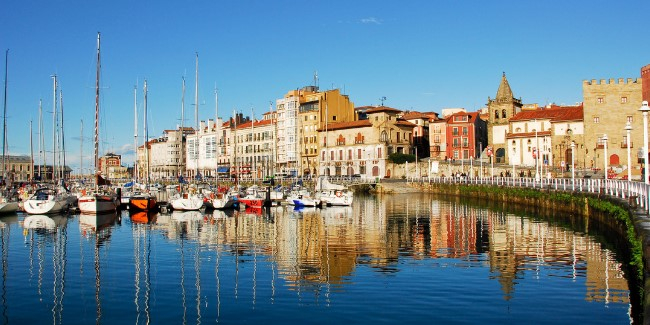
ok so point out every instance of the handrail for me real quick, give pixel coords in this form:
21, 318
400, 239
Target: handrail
636, 192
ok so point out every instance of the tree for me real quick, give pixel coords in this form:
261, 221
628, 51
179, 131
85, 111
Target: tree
400, 158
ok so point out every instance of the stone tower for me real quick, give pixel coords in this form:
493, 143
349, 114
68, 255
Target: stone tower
500, 110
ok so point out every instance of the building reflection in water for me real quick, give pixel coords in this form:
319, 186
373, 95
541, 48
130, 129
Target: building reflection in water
313, 253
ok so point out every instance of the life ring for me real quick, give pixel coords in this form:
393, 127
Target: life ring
338, 193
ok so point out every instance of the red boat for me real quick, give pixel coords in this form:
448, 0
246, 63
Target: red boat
252, 202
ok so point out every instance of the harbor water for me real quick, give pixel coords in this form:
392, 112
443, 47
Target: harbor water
410, 259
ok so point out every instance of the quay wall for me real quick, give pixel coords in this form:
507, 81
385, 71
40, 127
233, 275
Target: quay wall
614, 216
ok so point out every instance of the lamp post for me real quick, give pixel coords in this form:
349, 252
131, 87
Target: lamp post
644, 109
605, 156
573, 174
537, 153
628, 128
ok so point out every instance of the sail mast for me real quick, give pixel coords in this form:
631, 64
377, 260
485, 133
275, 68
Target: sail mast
216, 136
146, 134
62, 135
96, 137
180, 160
135, 135
4, 120
196, 114
54, 86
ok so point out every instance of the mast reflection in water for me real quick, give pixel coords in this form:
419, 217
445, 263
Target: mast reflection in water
407, 259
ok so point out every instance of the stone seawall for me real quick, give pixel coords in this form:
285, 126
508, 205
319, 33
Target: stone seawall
616, 217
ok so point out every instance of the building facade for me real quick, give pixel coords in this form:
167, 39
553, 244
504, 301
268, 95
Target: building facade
362, 147
500, 109
608, 106
317, 111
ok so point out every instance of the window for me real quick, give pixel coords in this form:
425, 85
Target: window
623, 100
600, 100
378, 152
496, 114
454, 131
503, 113
629, 118
464, 130
596, 119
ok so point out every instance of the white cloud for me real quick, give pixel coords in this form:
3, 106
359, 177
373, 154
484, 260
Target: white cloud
371, 20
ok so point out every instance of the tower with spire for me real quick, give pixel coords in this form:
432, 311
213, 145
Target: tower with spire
500, 110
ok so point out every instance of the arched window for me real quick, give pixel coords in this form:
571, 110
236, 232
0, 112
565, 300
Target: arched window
383, 136
503, 113
496, 114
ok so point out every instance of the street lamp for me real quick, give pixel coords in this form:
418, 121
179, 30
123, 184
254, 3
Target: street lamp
573, 171
628, 128
644, 109
604, 138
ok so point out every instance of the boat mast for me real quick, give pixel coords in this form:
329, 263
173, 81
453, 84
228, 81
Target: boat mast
180, 160
135, 135
4, 121
41, 140
81, 150
96, 137
234, 113
31, 150
62, 135
146, 134
54, 119
275, 139
196, 114
216, 136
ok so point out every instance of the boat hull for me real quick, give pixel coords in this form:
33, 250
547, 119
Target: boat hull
187, 204
45, 206
142, 203
93, 204
8, 207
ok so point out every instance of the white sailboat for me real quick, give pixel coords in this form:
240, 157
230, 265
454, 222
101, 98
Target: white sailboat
333, 194
226, 200
50, 200
191, 201
97, 201
7, 205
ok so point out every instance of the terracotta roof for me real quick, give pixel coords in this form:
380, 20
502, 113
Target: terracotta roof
346, 125
415, 115
400, 122
471, 117
382, 109
556, 114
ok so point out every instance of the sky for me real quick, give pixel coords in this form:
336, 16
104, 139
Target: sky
421, 55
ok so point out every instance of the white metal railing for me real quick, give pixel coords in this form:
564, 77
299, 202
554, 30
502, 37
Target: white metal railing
634, 191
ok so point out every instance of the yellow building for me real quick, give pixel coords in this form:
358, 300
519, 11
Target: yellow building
315, 111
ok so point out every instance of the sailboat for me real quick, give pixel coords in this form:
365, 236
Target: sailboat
184, 201
220, 200
6, 204
144, 201
97, 201
50, 200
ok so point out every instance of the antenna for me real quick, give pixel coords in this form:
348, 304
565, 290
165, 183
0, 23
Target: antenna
383, 98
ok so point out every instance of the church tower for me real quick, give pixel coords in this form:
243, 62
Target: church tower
500, 110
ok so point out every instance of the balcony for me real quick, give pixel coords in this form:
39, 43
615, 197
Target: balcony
624, 144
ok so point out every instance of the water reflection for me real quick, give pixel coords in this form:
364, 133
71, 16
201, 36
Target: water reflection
193, 267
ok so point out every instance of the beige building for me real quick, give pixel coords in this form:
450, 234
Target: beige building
608, 106
362, 147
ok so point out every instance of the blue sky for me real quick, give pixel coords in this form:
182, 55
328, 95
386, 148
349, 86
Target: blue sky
421, 55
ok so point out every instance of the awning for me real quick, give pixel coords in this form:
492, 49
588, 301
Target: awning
223, 169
